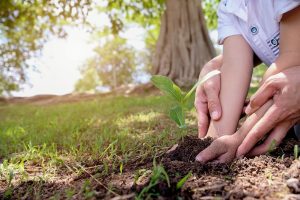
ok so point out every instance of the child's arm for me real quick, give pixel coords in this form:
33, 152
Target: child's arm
224, 148
235, 79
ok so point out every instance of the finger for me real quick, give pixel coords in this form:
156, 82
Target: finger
212, 91
243, 114
246, 103
211, 152
203, 120
263, 94
202, 114
225, 158
261, 128
273, 140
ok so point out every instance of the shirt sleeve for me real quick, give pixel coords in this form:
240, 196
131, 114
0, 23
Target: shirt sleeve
226, 23
284, 6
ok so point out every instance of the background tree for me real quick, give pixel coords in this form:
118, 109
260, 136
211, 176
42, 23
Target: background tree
114, 64
25, 26
183, 45
89, 80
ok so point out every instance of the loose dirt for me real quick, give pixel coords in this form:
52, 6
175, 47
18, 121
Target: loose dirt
272, 176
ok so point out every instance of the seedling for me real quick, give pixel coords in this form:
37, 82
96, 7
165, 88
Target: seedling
183, 180
182, 101
272, 146
159, 174
121, 168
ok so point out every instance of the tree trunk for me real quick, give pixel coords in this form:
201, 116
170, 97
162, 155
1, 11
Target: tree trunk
183, 46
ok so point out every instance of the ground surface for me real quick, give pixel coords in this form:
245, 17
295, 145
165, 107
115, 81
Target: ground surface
117, 147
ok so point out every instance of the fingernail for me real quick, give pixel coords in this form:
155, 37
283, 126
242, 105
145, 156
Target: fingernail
200, 135
247, 110
199, 158
214, 114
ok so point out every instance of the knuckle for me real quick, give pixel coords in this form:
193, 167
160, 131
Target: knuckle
209, 85
212, 104
278, 114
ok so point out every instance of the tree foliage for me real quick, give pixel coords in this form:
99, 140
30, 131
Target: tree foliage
210, 11
148, 13
113, 65
25, 26
145, 12
90, 78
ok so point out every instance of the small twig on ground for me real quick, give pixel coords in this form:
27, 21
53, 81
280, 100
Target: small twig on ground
81, 167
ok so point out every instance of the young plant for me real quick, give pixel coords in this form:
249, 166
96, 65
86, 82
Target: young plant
182, 101
159, 174
183, 180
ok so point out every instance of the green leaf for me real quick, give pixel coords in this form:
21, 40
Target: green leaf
188, 104
168, 87
296, 151
200, 82
183, 180
176, 114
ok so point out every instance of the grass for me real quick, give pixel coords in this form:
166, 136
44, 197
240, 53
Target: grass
108, 132
53, 142
258, 73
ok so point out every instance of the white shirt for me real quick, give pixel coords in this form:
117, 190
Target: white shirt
257, 21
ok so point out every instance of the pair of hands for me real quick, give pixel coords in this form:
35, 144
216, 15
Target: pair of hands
277, 118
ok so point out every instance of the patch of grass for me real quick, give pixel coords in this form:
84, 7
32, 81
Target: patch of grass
182, 181
258, 73
159, 174
50, 142
39, 142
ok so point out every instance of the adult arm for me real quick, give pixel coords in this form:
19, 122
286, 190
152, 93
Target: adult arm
281, 83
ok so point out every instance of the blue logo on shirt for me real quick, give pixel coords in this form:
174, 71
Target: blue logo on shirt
273, 43
254, 30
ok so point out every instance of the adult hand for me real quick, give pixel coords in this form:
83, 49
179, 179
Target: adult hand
207, 101
284, 89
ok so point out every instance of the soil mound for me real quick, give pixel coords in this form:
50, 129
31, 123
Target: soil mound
261, 177
188, 148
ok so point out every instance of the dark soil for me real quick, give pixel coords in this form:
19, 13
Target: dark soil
189, 148
263, 177
273, 176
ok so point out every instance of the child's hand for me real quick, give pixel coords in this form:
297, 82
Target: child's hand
222, 150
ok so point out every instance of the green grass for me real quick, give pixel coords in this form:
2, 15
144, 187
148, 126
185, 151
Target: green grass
52, 142
258, 73
109, 131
